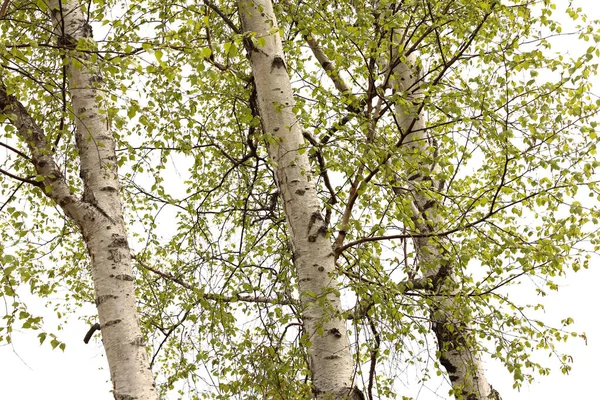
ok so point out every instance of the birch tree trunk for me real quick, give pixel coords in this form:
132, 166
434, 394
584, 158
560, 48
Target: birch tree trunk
331, 363
99, 214
449, 321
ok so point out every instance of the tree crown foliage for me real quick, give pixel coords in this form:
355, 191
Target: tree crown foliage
510, 158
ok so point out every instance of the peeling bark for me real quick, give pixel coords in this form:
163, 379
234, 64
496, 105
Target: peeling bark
331, 363
462, 363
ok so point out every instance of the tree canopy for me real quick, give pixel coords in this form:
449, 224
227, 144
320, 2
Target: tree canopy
439, 193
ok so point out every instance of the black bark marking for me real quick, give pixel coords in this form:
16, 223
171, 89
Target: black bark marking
114, 255
124, 277
428, 205
335, 332
111, 323
118, 241
355, 394
87, 30
321, 230
63, 202
414, 177
494, 395
97, 79
278, 62
103, 298
88, 197
139, 341
66, 41
450, 368
119, 396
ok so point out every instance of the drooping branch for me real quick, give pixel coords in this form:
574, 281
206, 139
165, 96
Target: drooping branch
459, 228
374, 356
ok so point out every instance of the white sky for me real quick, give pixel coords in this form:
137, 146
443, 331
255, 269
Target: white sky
31, 371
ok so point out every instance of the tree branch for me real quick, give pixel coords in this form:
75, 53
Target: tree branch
212, 296
224, 17
54, 182
15, 150
20, 179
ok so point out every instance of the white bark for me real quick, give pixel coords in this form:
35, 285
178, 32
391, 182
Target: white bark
462, 363
331, 363
99, 214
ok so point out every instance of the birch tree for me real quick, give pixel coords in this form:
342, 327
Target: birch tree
97, 213
330, 361
456, 351
318, 195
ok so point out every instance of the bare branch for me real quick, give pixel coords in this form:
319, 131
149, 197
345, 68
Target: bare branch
15, 150
211, 296
20, 179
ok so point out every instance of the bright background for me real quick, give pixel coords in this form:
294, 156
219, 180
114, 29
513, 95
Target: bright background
29, 370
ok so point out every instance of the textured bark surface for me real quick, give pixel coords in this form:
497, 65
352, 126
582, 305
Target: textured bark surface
99, 214
462, 363
331, 363
102, 225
